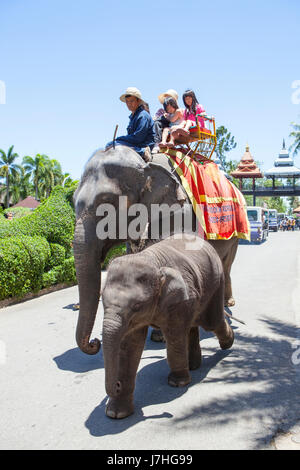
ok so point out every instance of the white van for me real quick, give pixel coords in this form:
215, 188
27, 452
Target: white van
259, 222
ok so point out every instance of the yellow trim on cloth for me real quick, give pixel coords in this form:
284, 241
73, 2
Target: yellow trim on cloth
189, 164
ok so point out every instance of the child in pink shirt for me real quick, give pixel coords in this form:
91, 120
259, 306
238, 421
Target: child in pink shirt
192, 107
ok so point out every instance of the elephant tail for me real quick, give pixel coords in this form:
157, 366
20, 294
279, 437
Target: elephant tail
234, 318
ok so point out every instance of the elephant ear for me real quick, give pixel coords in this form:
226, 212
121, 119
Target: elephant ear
160, 185
173, 289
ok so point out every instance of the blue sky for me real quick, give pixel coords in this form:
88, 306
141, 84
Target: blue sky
65, 63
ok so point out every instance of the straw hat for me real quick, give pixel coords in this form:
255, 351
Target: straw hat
168, 93
132, 91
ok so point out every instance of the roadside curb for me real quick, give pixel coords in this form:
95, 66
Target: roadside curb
32, 295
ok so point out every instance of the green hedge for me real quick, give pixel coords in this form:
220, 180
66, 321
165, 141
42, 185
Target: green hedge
54, 220
18, 212
22, 264
35, 249
57, 257
23, 261
114, 253
62, 273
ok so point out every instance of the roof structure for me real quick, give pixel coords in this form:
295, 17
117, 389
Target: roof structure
283, 166
29, 202
247, 167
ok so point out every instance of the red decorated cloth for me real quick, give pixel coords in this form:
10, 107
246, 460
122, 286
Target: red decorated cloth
218, 204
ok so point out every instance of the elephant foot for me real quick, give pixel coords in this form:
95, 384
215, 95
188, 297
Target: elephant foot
179, 378
195, 360
229, 302
118, 409
228, 342
157, 336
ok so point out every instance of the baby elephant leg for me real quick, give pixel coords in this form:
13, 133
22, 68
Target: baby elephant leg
178, 358
194, 349
224, 334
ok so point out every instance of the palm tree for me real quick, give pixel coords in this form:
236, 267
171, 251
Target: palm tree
8, 168
67, 180
296, 135
36, 167
51, 176
23, 182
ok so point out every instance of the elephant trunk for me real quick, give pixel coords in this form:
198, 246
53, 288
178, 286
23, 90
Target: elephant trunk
113, 331
87, 254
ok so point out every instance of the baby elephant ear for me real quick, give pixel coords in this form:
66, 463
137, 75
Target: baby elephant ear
173, 289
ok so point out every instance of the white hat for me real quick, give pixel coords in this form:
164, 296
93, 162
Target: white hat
168, 93
132, 91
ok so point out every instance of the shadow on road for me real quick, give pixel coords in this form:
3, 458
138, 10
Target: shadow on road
75, 360
262, 362
151, 388
265, 364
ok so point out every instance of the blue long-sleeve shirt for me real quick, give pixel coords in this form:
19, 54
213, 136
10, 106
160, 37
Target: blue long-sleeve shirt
140, 130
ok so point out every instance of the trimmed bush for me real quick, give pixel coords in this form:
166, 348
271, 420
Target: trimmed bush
62, 273
69, 270
58, 254
54, 219
69, 192
22, 264
114, 252
18, 212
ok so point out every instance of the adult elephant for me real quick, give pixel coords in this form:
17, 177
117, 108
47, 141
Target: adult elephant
107, 176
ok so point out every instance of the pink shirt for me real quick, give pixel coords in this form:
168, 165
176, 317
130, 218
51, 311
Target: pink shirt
192, 117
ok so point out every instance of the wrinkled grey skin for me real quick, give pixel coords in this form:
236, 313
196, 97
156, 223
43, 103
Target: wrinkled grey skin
169, 286
108, 175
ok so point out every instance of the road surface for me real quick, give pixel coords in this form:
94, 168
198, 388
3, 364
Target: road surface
53, 395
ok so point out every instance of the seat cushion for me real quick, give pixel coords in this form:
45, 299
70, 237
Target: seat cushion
194, 130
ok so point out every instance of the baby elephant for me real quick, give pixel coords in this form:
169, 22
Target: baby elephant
176, 285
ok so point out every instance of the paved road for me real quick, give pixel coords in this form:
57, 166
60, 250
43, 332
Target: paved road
53, 396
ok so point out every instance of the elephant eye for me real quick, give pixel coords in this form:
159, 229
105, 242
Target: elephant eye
137, 306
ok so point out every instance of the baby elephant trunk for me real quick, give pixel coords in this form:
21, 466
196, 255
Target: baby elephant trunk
113, 330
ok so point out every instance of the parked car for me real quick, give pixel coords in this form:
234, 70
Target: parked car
259, 222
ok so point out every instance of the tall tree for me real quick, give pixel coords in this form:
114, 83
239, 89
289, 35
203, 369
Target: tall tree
51, 176
296, 135
225, 143
294, 202
36, 167
25, 186
8, 168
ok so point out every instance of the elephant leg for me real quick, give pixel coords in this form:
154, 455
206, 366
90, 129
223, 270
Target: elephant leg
131, 350
228, 300
224, 334
227, 263
226, 250
178, 357
214, 319
194, 349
